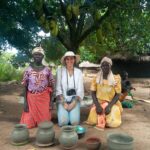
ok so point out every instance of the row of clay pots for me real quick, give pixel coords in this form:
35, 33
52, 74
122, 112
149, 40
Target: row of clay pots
45, 135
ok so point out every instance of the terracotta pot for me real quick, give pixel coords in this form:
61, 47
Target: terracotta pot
93, 143
20, 135
45, 134
68, 137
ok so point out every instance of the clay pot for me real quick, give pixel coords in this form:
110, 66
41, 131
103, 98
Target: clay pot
45, 134
68, 137
93, 143
20, 135
120, 141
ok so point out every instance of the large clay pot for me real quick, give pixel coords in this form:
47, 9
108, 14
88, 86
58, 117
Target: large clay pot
120, 141
68, 137
20, 135
45, 134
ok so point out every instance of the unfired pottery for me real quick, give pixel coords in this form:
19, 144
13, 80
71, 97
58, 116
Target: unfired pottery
20, 135
68, 137
45, 134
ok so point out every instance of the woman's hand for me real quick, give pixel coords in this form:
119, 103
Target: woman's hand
107, 110
26, 107
72, 105
78, 98
99, 109
60, 99
65, 106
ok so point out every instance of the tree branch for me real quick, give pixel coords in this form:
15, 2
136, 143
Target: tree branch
80, 25
62, 40
65, 15
62, 23
93, 27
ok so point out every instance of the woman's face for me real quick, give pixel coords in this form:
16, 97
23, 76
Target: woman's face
70, 61
105, 68
38, 57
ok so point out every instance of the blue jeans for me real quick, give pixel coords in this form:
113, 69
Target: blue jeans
65, 117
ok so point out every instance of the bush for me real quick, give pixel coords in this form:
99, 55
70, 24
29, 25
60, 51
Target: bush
8, 72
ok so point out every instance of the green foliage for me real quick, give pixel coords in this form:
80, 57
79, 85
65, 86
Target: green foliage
87, 55
53, 50
7, 71
20, 60
125, 31
121, 26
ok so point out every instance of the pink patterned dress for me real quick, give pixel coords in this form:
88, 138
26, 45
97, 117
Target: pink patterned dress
39, 85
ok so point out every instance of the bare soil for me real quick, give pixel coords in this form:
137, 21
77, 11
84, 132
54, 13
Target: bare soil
135, 121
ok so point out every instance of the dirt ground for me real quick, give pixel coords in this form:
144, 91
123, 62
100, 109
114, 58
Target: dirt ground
135, 121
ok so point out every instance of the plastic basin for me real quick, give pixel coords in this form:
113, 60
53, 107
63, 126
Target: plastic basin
80, 131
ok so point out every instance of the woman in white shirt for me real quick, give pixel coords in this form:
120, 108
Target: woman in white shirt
69, 90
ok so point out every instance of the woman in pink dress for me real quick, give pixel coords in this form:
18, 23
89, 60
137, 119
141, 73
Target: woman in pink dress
38, 82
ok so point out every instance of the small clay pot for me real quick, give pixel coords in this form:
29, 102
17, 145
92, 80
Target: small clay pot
93, 143
20, 135
68, 137
45, 134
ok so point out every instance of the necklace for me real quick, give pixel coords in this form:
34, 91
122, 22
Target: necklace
37, 68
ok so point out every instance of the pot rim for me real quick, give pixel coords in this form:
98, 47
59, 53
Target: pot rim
110, 136
97, 140
45, 125
20, 126
68, 128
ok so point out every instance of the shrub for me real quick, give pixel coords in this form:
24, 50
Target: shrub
8, 72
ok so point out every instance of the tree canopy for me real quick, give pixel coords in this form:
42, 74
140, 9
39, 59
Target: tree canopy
95, 26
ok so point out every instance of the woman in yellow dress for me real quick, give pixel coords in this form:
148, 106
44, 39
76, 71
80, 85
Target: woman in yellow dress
105, 89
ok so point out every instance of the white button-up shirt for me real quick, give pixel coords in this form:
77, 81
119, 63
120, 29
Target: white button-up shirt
62, 86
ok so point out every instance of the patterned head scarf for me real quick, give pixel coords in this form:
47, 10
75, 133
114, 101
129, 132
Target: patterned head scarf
106, 59
38, 50
110, 77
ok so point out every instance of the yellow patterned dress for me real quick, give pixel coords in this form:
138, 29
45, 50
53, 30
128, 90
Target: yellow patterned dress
105, 93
